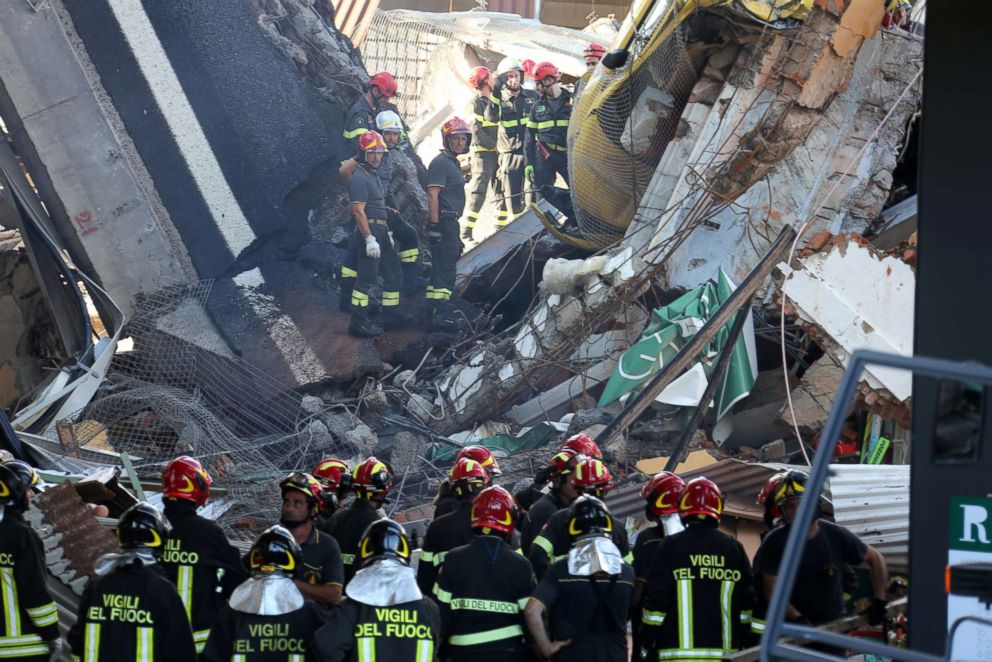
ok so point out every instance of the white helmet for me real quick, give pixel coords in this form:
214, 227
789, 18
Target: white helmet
509, 64
388, 120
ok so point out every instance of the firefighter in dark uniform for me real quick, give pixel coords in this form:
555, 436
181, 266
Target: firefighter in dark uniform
370, 481
697, 601
335, 482
198, 559
561, 495
483, 587
445, 204
772, 517
581, 443
130, 611
586, 595
384, 615
467, 478
267, 618
445, 501
553, 543
485, 162
361, 116
547, 129
30, 626
321, 574
661, 497
510, 108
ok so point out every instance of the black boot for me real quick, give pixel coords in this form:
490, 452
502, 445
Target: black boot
395, 320
467, 233
442, 318
363, 327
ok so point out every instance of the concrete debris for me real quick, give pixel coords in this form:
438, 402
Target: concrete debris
420, 407
361, 440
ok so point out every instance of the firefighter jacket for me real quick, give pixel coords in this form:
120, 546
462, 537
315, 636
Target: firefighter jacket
537, 517
554, 541
30, 617
482, 589
443, 535
347, 527
483, 126
201, 563
361, 118
132, 613
357, 632
445, 501
697, 601
547, 126
511, 113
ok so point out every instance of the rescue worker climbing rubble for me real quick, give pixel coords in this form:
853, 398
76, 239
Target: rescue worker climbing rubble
361, 116
445, 501
320, 574
130, 611
371, 246
482, 587
197, 558
545, 140
370, 481
697, 600
30, 626
385, 616
467, 478
446, 202
267, 618
585, 595
590, 476
485, 162
509, 108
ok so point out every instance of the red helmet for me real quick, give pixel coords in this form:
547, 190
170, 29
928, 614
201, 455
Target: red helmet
372, 141
543, 70
772, 511
371, 477
185, 478
700, 498
594, 50
386, 83
561, 464
494, 508
479, 77
528, 66
332, 472
591, 475
584, 444
310, 486
662, 493
454, 127
467, 476
482, 455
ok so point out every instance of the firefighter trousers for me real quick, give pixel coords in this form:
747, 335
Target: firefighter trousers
511, 173
485, 166
407, 241
546, 168
367, 271
445, 255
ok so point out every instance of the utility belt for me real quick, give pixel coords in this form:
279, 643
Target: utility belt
378, 221
554, 148
448, 216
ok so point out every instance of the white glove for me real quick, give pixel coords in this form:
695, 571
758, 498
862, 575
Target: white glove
54, 650
372, 247
392, 241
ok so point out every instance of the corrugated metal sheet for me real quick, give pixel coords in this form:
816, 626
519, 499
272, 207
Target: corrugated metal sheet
353, 17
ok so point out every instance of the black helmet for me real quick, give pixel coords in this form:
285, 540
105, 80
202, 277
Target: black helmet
309, 486
589, 516
275, 551
792, 484
142, 526
16, 478
384, 539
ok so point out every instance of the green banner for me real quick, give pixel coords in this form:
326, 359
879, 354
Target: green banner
971, 524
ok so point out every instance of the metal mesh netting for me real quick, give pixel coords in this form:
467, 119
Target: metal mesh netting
179, 391
620, 127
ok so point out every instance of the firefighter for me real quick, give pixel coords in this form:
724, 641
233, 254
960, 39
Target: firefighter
661, 507
590, 476
335, 480
361, 116
483, 587
445, 202
818, 593
772, 517
267, 618
445, 501
592, 54
581, 444
528, 82
385, 616
547, 129
585, 595
697, 601
485, 162
130, 611
197, 557
370, 481
371, 246
467, 478
509, 107
320, 576
561, 495
30, 626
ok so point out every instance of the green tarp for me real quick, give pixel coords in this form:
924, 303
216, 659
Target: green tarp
669, 329
501, 444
